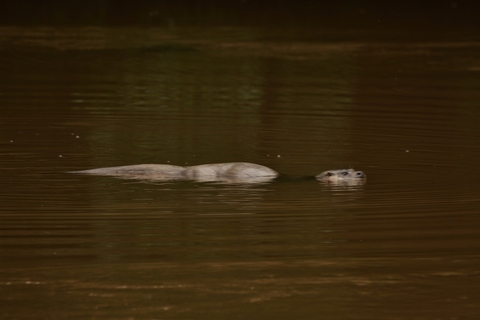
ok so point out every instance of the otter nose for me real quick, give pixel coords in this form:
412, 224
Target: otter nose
360, 174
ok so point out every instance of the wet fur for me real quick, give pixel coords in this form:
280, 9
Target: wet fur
240, 171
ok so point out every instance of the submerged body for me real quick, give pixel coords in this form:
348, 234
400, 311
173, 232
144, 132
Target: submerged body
227, 172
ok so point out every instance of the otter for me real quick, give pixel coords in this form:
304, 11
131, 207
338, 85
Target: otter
226, 172
342, 175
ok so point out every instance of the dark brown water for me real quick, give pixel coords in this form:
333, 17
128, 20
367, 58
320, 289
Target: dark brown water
403, 108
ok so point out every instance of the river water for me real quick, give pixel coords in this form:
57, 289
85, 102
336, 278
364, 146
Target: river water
403, 108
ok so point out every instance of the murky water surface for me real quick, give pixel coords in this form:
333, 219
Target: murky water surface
404, 246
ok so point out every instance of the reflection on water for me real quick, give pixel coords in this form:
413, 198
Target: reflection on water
405, 243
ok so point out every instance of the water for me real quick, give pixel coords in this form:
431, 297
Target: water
404, 246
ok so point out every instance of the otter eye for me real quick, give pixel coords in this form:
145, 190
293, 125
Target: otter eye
359, 173
329, 174
345, 173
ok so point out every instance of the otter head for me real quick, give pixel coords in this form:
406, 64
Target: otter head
343, 176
